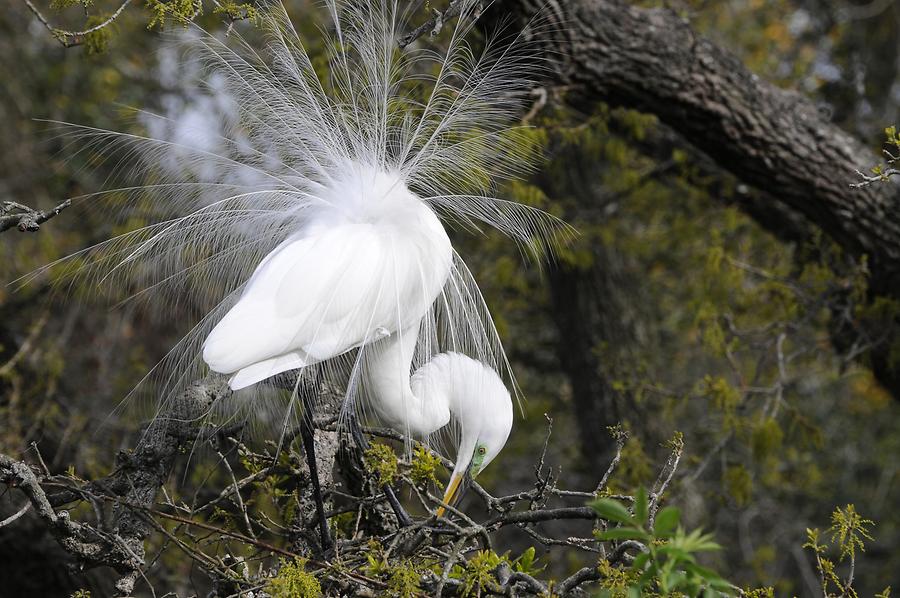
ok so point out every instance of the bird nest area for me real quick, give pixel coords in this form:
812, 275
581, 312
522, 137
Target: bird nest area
248, 521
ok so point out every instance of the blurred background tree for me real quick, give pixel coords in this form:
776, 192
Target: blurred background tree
678, 308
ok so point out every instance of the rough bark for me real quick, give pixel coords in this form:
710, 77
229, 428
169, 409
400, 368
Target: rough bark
136, 481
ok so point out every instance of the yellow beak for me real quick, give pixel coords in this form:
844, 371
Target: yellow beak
450, 492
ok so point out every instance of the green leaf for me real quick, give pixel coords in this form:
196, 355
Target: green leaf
666, 521
641, 506
527, 562
624, 533
701, 571
527, 557
721, 585
612, 510
674, 579
640, 560
675, 553
695, 541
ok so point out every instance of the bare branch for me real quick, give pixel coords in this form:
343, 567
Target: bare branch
24, 218
432, 25
25, 508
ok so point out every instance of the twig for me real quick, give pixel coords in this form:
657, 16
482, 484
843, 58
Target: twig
14, 214
665, 475
434, 24
621, 437
16, 515
581, 576
69, 39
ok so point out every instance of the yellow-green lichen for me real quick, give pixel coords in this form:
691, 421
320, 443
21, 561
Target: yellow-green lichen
294, 581
381, 461
423, 469
403, 581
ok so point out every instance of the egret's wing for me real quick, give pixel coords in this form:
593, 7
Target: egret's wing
267, 368
316, 297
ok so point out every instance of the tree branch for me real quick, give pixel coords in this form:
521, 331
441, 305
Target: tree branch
773, 139
68, 38
14, 214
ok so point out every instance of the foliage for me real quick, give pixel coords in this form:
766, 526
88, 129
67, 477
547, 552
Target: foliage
884, 171
668, 564
478, 574
527, 562
849, 532
381, 461
63, 4
706, 291
293, 581
403, 581
172, 12
424, 466
235, 11
97, 42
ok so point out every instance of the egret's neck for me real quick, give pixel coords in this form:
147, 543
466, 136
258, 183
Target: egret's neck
388, 364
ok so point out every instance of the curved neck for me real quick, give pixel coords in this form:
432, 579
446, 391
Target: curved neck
393, 401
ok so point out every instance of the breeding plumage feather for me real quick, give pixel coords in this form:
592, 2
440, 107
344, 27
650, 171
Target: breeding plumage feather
313, 219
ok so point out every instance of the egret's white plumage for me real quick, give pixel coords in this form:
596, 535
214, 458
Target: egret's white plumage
314, 219
351, 275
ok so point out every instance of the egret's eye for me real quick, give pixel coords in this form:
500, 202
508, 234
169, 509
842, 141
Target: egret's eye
482, 450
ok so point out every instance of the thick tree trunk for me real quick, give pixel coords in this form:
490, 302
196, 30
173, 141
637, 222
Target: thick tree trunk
771, 138
575, 310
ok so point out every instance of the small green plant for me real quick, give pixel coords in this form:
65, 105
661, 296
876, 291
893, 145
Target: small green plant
849, 532
294, 581
404, 581
235, 11
81, 594
479, 573
97, 42
381, 461
376, 565
179, 12
668, 564
423, 469
527, 563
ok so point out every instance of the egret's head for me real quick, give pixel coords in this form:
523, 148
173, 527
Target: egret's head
481, 407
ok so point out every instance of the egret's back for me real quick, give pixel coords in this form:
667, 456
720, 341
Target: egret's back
368, 267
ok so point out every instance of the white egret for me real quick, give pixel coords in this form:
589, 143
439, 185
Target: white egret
314, 218
364, 272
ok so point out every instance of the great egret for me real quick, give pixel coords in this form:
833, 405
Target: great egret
313, 219
364, 272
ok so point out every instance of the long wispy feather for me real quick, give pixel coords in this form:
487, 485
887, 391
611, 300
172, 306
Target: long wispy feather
294, 131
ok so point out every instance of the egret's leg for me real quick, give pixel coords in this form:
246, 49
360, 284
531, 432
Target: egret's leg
402, 516
309, 447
